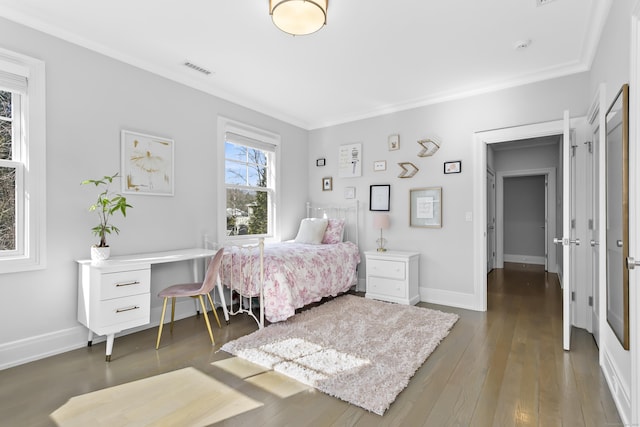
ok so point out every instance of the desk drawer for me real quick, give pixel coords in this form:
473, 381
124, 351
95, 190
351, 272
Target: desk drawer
124, 283
386, 287
384, 268
124, 310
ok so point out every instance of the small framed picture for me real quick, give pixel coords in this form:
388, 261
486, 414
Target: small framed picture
394, 142
379, 197
327, 184
380, 165
453, 167
321, 162
350, 192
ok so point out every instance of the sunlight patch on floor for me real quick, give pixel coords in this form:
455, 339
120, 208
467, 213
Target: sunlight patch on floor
239, 367
278, 384
307, 362
186, 397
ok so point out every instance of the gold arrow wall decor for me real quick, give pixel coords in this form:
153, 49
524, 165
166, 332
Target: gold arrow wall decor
429, 147
408, 170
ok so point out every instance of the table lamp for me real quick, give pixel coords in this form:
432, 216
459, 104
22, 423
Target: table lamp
381, 221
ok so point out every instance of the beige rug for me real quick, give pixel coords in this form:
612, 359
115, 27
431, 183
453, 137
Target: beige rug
356, 349
186, 397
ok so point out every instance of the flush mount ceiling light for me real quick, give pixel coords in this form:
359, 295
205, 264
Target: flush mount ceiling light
298, 17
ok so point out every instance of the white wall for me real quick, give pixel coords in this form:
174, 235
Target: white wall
524, 217
446, 253
90, 98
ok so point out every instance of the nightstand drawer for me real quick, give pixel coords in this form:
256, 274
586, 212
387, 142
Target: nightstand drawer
124, 310
389, 269
391, 288
124, 283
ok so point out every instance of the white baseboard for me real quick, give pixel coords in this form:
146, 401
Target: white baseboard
41, 346
618, 392
525, 259
450, 298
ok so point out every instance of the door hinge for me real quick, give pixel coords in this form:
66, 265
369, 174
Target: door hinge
590, 301
590, 224
573, 223
573, 295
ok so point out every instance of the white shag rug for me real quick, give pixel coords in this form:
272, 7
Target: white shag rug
356, 349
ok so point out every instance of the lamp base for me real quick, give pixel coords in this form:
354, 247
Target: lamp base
382, 250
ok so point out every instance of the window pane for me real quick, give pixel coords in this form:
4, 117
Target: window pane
235, 173
5, 140
257, 156
257, 176
7, 209
247, 212
235, 152
5, 104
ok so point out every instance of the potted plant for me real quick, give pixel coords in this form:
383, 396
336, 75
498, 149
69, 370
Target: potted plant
107, 204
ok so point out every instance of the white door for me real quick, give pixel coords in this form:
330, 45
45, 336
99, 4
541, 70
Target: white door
568, 239
594, 230
491, 220
545, 227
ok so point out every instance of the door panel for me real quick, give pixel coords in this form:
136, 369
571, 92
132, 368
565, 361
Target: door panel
491, 220
595, 235
567, 239
617, 172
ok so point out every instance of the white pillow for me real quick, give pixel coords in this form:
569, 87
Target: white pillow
311, 230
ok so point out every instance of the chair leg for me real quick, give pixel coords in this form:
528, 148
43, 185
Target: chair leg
173, 311
206, 318
164, 308
215, 312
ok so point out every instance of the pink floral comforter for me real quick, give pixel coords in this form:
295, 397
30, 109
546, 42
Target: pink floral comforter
295, 274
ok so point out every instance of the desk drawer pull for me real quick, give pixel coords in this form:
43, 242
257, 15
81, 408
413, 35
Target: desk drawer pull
122, 310
127, 284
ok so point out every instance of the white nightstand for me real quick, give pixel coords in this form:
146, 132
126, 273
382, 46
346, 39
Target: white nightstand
393, 276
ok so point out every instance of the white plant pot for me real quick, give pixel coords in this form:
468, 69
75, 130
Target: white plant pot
100, 253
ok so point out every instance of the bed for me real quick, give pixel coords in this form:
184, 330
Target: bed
271, 281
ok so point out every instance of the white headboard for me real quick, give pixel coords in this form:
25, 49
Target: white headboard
349, 212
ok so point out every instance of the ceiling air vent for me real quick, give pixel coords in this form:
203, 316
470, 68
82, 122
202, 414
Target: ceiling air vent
197, 68
543, 2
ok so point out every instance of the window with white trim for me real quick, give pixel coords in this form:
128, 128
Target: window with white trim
250, 177
22, 163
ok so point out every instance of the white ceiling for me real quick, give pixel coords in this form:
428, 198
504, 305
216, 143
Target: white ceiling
373, 56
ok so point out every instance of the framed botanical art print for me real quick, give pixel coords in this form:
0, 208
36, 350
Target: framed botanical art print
147, 164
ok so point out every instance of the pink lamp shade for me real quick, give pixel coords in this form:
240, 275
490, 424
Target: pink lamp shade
381, 222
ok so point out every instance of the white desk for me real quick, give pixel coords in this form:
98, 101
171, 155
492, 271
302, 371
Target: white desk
114, 295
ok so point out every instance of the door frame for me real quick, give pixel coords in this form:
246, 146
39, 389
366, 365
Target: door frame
550, 214
480, 141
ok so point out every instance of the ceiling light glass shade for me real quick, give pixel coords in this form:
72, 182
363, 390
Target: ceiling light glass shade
298, 17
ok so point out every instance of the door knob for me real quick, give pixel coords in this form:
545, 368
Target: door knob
566, 242
619, 243
632, 263
593, 243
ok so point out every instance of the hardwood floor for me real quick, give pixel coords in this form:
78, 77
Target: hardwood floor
500, 368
